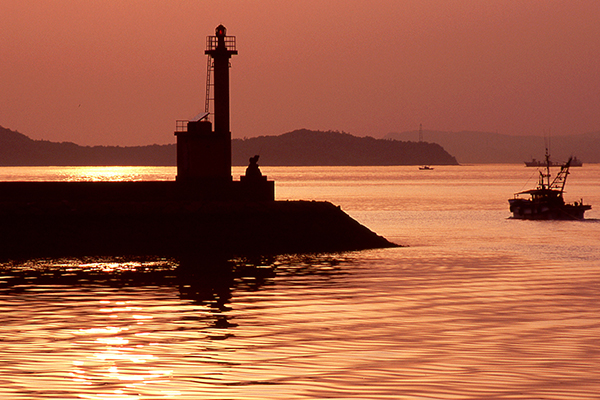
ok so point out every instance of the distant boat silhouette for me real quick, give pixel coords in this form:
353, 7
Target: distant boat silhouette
575, 162
425, 167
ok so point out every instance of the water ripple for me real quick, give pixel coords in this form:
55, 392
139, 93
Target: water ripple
371, 326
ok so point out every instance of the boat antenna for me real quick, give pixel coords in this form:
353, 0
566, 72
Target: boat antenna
547, 175
548, 141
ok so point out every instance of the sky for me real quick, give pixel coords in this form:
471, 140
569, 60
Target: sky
121, 72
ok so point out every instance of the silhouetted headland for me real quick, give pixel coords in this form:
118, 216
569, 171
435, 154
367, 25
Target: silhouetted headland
203, 211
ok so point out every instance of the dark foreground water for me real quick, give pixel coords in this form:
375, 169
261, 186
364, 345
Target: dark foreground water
478, 306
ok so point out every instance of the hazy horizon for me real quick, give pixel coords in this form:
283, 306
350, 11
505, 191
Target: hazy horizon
121, 73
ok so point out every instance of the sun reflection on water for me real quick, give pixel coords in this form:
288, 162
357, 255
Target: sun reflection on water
116, 173
120, 356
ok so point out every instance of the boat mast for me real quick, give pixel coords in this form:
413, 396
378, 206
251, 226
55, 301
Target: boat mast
545, 184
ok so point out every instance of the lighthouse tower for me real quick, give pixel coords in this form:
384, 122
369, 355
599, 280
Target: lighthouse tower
204, 154
220, 48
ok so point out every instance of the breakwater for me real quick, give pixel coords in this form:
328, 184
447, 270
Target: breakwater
51, 219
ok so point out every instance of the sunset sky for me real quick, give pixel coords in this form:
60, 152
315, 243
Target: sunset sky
108, 72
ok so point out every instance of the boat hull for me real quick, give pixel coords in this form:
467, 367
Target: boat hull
526, 209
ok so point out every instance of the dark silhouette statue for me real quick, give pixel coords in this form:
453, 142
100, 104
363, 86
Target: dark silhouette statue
253, 171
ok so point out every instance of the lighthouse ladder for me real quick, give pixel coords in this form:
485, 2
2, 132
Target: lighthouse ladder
209, 68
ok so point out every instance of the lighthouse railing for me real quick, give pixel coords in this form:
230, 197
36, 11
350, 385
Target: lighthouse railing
212, 42
181, 125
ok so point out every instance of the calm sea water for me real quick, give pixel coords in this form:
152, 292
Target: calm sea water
478, 306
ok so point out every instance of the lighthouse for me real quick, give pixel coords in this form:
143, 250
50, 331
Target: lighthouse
204, 154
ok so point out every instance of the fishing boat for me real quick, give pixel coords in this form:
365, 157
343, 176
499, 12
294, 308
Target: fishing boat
425, 167
546, 200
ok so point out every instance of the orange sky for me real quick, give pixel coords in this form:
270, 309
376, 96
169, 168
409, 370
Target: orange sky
121, 72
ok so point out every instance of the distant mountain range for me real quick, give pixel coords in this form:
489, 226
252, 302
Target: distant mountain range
297, 148
485, 147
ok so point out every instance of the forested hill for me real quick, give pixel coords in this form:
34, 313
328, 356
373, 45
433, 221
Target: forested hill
305, 147
298, 148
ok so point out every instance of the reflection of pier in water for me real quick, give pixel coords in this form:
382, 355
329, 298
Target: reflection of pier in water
207, 282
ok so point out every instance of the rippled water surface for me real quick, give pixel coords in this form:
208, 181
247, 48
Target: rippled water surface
478, 306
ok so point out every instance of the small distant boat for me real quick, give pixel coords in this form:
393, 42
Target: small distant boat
425, 167
546, 200
575, 162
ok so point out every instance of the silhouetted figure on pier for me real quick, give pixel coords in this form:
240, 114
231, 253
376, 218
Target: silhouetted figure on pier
253, 171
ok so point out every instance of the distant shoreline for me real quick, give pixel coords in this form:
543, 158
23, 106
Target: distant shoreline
316, 148
494, 148
298, 148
